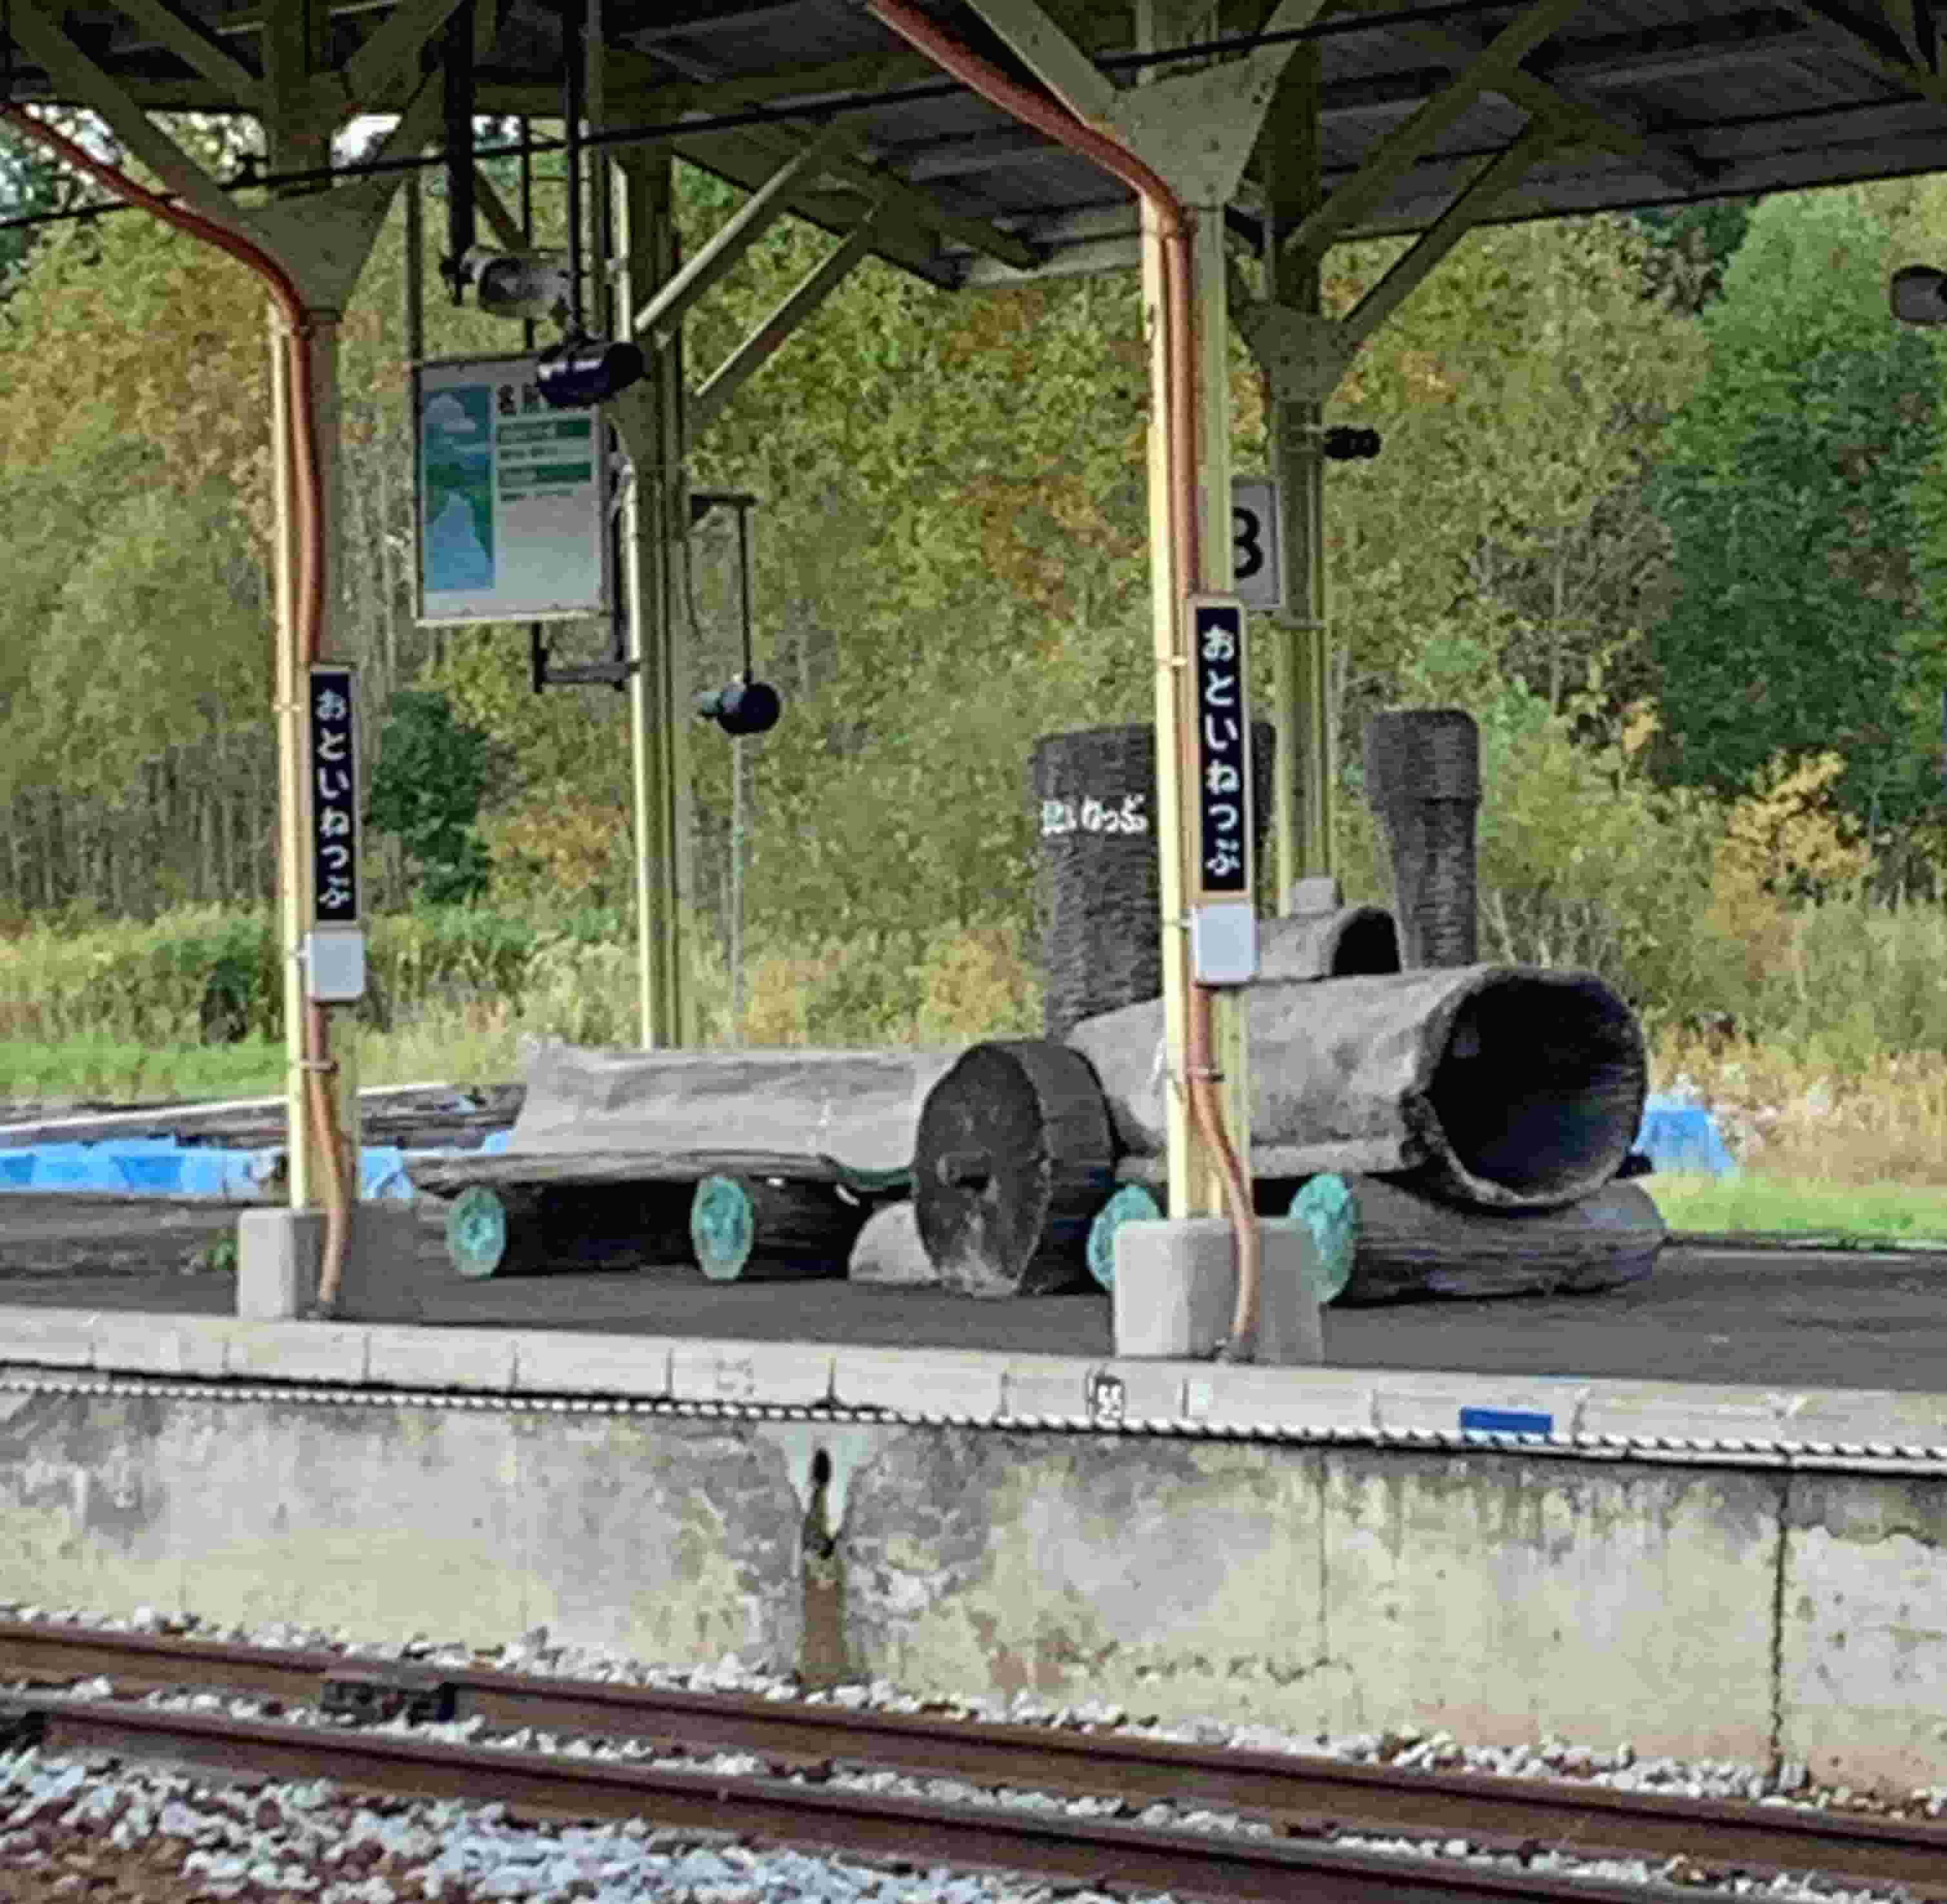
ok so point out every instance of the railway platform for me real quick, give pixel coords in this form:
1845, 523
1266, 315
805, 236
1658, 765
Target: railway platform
1704, 1514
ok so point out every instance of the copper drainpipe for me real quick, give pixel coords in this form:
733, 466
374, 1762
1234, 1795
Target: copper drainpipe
1060, 122
308, 489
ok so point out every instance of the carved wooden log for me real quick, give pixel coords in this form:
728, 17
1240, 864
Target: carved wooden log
1508, 1087
1423, 778
1378, 1242
767, 1229
860, 1107
1014, 1158
501, 1229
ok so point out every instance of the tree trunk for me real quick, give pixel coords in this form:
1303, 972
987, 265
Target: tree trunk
1380, 1242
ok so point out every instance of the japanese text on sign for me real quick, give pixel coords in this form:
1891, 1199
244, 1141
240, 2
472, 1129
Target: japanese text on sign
1094, 815
1223, 744
334, 803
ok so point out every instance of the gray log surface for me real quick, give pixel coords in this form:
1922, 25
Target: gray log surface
1382, 1242
1507, 1087
1014, 1158
859, 1108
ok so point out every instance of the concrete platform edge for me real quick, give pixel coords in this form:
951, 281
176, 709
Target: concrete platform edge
974, 1388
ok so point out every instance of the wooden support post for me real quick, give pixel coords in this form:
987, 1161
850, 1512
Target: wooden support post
650, 419
1196, 1186
1288, 153
297, 136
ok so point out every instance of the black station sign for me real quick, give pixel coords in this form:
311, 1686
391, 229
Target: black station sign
1223, 746
333, 713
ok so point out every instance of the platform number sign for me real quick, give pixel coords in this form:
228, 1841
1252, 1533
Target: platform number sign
1223, 746
1257, 548
332, 712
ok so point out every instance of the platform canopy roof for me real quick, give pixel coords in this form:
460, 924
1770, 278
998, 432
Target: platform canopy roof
1653, 102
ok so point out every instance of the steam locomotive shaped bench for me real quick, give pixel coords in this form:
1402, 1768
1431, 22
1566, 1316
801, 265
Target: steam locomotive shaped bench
1456, 1132
1443, 1127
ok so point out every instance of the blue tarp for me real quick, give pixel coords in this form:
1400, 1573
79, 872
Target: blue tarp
1676, 1135
159, 1166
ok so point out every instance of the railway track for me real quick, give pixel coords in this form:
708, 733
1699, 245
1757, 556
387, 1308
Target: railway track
1306, 1808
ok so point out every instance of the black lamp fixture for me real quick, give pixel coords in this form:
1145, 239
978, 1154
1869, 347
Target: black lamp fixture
744, 706
1918, 295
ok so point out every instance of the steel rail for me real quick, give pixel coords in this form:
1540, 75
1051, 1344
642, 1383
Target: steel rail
1300, 1792
1213, 1865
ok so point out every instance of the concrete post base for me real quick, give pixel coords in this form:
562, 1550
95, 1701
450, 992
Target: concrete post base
279, 1255
1175, 1288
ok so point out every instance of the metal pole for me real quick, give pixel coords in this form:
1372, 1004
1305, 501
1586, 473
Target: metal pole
1304, 776
649, 420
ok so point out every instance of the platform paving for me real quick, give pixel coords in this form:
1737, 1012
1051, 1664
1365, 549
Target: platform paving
1821, 1319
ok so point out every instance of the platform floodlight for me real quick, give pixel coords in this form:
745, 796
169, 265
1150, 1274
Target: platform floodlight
582, 371
1918, 295
532, 285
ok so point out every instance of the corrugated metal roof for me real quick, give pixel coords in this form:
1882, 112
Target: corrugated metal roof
1672, 101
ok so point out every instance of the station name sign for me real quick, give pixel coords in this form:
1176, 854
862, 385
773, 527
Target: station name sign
332, 711
1223, 746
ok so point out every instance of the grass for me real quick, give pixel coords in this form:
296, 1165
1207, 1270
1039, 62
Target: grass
460, 1050
1753, 1204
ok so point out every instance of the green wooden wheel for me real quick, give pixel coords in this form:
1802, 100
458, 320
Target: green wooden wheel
1131, 1204
722, 1227
476, 1233
1326, 1207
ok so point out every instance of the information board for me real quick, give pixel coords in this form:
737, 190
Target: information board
332, 712
512, 516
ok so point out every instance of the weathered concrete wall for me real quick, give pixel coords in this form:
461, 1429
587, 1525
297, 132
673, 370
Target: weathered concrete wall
674, 1539
1862, 1628
1345, 1589
1693, 1611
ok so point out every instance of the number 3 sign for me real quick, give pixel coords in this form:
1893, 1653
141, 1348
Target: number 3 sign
1257, 556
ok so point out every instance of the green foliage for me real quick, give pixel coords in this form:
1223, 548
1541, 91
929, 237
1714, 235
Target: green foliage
1690, 248
1801, 490
432, 775
199, 975
30, 182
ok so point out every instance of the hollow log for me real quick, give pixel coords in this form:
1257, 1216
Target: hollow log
768, 1229
1349, 942
1014, 1157
531, 1229
1378, 1241
1506, 1087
